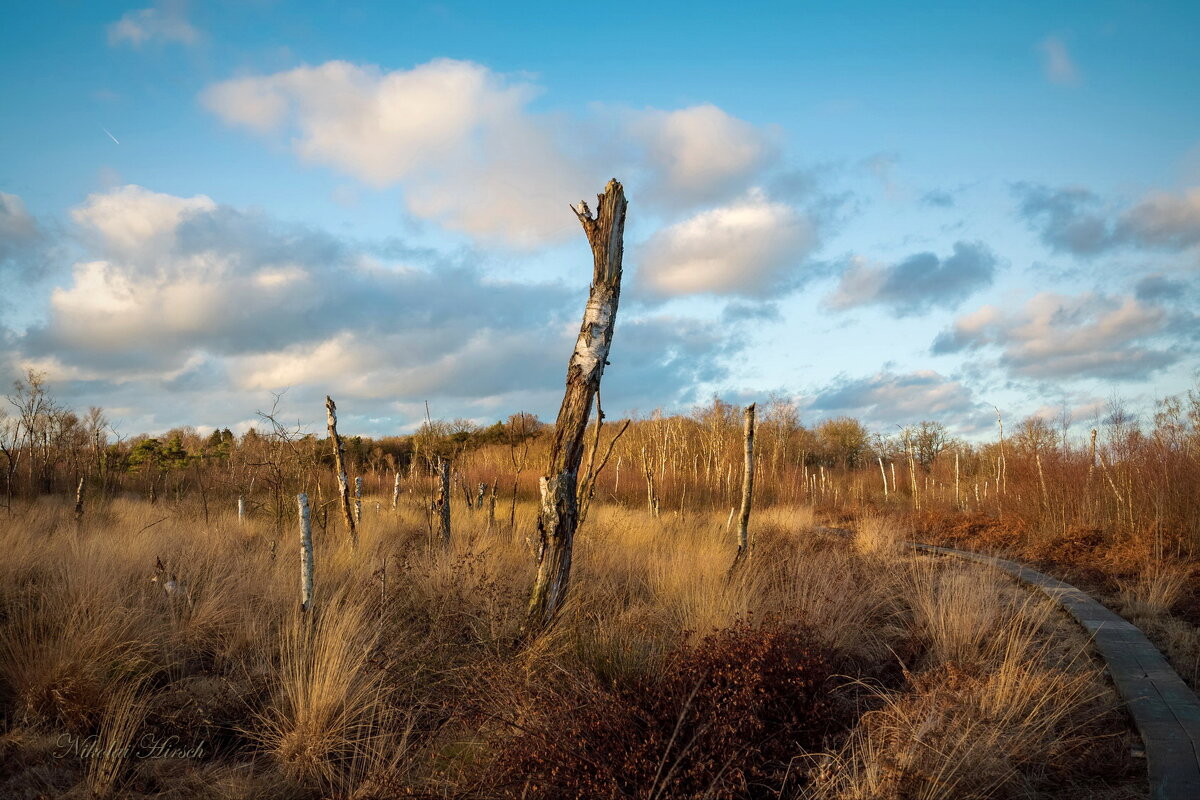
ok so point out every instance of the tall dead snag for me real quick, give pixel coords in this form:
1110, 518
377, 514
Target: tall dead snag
79, 502
743, 532
443, 502
339, 464
491, 520
358, 499
558, 511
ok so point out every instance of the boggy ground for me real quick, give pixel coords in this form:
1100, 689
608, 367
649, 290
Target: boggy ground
827, 668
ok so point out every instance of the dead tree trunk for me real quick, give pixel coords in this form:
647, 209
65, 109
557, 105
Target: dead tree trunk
743, 533
957, 496
358, 487
443, 502
306, 553
491, 520
79, 502
396, 490
651, 493
339, 464
558, 510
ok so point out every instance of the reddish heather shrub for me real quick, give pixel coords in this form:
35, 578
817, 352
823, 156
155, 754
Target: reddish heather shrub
721, 720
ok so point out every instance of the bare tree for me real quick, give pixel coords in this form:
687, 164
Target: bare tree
558, 510
743, 533
339, 464
519, 432
443, 501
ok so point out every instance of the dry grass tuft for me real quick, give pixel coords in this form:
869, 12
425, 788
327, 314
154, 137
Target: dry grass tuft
1157, 589
971, 732
877, 535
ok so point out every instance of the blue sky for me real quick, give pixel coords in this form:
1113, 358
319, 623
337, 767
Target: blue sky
891, 212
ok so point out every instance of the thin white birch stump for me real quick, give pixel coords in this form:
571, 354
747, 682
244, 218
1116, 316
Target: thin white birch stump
306, 553
396, 491
79, 502
339, 464
1092, 457
743, 532
558, 511
241, 509
957, 496
358, 500
883, 475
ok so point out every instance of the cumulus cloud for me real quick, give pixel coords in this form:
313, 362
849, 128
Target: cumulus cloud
459, 137
1063, 336
184, 295
919, 282
749, 248
1059, 67
1075, 220
699, 154
163, 22
888, 398
471, 154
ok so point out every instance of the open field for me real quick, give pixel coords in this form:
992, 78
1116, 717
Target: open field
829, 668
158, 637
873, 472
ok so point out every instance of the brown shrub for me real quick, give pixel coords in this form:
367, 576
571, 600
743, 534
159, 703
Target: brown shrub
721, 720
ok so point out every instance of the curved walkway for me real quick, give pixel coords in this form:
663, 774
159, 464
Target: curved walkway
1165, 711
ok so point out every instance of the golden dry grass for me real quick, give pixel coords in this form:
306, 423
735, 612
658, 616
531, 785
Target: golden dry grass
397, 681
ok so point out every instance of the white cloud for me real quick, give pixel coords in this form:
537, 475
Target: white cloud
1075, 220
918, 283
888, 398
699, 154
1059, 336
471, 154
164, 22
749, 248
131, 221
1057, 63
458, 137
179, 299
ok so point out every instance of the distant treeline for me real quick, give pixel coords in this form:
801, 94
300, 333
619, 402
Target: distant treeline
1130, 476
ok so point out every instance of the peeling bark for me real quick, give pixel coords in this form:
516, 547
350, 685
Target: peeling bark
306, 553
79, 502
558, 512
339, 464
743, 534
